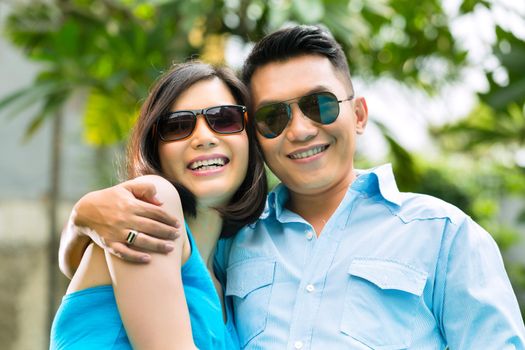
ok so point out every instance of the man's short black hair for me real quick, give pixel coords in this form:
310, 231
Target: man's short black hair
295, 41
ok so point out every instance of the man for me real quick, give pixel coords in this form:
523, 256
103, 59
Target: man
340, 259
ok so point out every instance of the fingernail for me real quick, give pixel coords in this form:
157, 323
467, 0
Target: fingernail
145, 258
157, 199
168, 247
177, 224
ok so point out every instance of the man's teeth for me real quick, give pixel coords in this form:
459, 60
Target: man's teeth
309, 153
207, 164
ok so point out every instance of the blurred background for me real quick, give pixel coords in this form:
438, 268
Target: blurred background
444, 81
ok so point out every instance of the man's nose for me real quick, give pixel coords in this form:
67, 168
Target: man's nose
300, 127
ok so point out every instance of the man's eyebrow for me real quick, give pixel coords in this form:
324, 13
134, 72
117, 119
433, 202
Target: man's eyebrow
313, 90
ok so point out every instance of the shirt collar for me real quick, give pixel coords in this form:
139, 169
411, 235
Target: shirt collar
370, 181
379, 179
275, 202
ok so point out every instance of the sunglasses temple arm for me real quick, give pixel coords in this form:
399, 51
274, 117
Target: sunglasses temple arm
154, 130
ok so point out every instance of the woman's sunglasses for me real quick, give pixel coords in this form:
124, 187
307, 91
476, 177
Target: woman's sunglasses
179, 125
320, 107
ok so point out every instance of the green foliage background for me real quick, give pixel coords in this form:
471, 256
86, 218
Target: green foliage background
112, 50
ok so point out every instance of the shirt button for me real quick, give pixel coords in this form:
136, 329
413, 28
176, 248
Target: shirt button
309, 235
310, 288
298, 344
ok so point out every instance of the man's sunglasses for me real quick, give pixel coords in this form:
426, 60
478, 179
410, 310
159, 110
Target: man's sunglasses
178, 125
321, 107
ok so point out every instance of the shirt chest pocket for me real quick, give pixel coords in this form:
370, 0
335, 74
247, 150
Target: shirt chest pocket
381, 301
249, 284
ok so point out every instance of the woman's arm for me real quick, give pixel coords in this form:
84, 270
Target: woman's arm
73, 244
150, 297
106, 217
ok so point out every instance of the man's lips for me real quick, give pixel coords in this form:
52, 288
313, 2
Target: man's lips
308, 152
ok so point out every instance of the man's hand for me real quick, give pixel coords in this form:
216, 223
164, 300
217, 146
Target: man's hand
108, 215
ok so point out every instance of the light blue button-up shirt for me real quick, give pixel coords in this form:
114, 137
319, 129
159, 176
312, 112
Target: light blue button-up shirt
390, 270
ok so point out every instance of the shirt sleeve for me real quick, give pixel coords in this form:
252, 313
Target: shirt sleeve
479, 307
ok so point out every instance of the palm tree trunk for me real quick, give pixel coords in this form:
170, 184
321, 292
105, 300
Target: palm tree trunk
54, 197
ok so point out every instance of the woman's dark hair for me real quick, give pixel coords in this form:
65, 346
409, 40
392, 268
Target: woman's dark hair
248, 202
295, 41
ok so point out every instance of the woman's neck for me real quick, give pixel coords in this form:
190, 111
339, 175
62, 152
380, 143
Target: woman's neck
206, 228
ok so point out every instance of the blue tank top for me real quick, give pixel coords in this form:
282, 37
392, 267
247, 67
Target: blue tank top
89, 318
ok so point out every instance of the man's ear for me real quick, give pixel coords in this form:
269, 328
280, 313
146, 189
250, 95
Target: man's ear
361, 112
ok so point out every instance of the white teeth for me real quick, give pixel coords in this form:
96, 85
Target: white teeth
308, 153
207, 164
209, 167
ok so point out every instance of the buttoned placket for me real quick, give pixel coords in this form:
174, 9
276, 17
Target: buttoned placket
308, 298
309, 295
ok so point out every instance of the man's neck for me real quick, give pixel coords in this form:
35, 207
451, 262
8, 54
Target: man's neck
317, 208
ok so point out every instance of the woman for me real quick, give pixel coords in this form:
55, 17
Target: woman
191, 131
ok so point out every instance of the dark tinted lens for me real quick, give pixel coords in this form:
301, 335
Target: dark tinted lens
321, 107
226, 119
176, 126
272, 119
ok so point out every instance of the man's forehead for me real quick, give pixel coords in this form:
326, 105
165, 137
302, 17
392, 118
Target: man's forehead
294, 77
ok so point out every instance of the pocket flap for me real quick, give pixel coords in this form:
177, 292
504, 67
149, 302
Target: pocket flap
388, 274
246, 276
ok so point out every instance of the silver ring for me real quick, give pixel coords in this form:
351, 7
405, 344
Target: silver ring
132, 235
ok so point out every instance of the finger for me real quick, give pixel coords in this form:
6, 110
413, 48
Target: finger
126, 253
157, 213
143, 191
154, 228
151, 244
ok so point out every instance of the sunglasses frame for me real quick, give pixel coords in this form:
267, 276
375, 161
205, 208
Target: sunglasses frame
297, 100
196, 113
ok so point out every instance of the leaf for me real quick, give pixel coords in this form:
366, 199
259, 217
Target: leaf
27, 95
510, 50
403, 162
107, 119
53, 103
500, 97
484, 128
67, 39
469, 5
